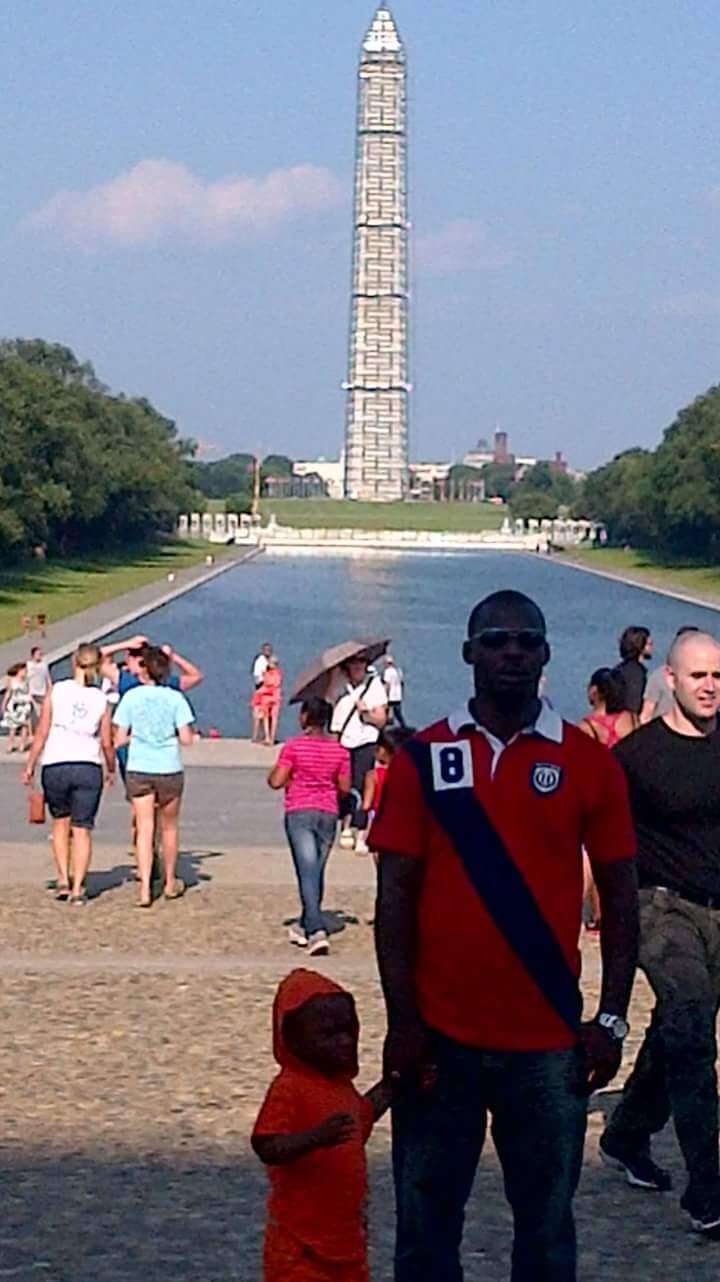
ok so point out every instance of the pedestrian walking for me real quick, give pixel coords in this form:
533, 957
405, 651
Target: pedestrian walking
480, 838
389, 741
359, 715
673, 772
125, 674
267, 700
636, 645
73, 738
153, 720
311, 1134
608, 723
258, 669
16, 711
658, 698
39, 681
394, 682
314, 771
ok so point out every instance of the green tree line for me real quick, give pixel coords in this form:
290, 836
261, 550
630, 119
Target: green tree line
80, 468
667, 499
232, 478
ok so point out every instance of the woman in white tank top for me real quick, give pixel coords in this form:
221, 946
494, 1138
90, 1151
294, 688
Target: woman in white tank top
73, 737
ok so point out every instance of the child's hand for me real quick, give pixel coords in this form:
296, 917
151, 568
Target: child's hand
334, 1131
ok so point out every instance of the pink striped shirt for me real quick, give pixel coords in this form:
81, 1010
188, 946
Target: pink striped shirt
316, 764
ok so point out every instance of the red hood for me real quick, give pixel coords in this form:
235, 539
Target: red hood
299, 987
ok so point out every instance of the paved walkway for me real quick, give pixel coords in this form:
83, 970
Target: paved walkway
136, 1050
89, 625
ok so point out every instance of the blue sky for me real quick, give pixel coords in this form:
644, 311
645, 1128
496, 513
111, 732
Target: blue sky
565, 202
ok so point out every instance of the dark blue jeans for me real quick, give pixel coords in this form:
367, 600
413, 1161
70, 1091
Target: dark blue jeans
538, 1112
311, 834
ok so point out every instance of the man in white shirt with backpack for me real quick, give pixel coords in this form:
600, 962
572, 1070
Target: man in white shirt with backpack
360, 713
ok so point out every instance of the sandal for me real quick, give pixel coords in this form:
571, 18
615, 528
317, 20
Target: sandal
78, 901
61, 893
178, 890
143, 903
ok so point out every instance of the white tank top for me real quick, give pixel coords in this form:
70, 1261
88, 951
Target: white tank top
76, 715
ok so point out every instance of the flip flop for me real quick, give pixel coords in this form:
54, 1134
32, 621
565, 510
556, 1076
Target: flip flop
62, 894
140, 903
177, 891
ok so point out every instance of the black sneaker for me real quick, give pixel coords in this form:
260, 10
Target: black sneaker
638, 1168
704, 1212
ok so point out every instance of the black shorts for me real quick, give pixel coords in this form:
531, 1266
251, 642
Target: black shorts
72, 791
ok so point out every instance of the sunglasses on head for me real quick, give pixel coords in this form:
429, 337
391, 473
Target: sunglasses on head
497, 638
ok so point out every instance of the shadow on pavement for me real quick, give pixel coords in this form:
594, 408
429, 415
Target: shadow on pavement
76, 1218
190, 868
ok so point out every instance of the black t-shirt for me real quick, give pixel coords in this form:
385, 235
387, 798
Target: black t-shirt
674, 783
633, 675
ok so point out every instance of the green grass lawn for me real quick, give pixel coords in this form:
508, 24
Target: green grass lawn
331, 514
680, 576
60, 588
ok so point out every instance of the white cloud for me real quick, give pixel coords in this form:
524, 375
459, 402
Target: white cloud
158, 200
461, 246
694, 303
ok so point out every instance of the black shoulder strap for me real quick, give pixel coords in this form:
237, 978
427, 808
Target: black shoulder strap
353, 710
500, 885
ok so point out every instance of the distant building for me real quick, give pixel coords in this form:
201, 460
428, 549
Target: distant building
499, 454
428, 480
331, 473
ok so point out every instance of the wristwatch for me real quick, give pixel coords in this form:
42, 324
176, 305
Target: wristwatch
615, 1025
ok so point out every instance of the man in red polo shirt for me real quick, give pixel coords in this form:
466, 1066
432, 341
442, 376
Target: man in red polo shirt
480, 837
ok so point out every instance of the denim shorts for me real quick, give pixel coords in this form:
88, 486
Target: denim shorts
72, 791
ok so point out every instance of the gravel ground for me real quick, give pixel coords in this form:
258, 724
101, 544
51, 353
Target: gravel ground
135, 1056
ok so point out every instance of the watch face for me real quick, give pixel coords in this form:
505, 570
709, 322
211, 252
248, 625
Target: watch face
617, 1027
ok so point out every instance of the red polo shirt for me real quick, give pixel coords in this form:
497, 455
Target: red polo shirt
547, 794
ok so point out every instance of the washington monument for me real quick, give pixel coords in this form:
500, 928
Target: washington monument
376, 435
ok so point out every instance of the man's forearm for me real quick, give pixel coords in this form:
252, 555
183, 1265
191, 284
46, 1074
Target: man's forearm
617, 890
396, 935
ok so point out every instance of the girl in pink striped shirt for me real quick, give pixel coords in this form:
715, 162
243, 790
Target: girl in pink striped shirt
315, 771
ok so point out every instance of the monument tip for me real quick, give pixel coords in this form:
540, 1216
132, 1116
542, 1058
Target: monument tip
383, 35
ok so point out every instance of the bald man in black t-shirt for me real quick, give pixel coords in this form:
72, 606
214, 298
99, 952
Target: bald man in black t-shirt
673, 772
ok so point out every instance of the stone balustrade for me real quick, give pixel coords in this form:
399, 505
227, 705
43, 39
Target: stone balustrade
534, 535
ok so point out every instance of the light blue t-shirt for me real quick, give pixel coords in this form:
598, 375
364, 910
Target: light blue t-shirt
153, 715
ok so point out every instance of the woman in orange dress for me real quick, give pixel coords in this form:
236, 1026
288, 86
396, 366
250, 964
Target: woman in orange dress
267, 700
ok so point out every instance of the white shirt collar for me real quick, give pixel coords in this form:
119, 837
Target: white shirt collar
548, 725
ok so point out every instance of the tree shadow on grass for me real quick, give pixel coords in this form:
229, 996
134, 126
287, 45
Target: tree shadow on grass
49, 578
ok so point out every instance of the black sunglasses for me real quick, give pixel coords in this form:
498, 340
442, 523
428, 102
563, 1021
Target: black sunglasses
497, 638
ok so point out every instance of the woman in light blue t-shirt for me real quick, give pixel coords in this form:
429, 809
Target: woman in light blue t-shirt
155, 720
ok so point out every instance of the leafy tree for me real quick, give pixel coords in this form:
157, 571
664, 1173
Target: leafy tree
499, 480
621, 494
542, 491
686, 481
79, 468
276, 465
225, 476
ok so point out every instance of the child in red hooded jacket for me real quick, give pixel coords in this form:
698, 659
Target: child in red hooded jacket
311, 1133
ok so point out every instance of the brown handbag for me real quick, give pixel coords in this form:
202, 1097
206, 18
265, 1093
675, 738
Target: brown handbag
36, 809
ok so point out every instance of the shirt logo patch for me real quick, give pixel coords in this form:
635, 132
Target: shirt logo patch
546, 779
452, 765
